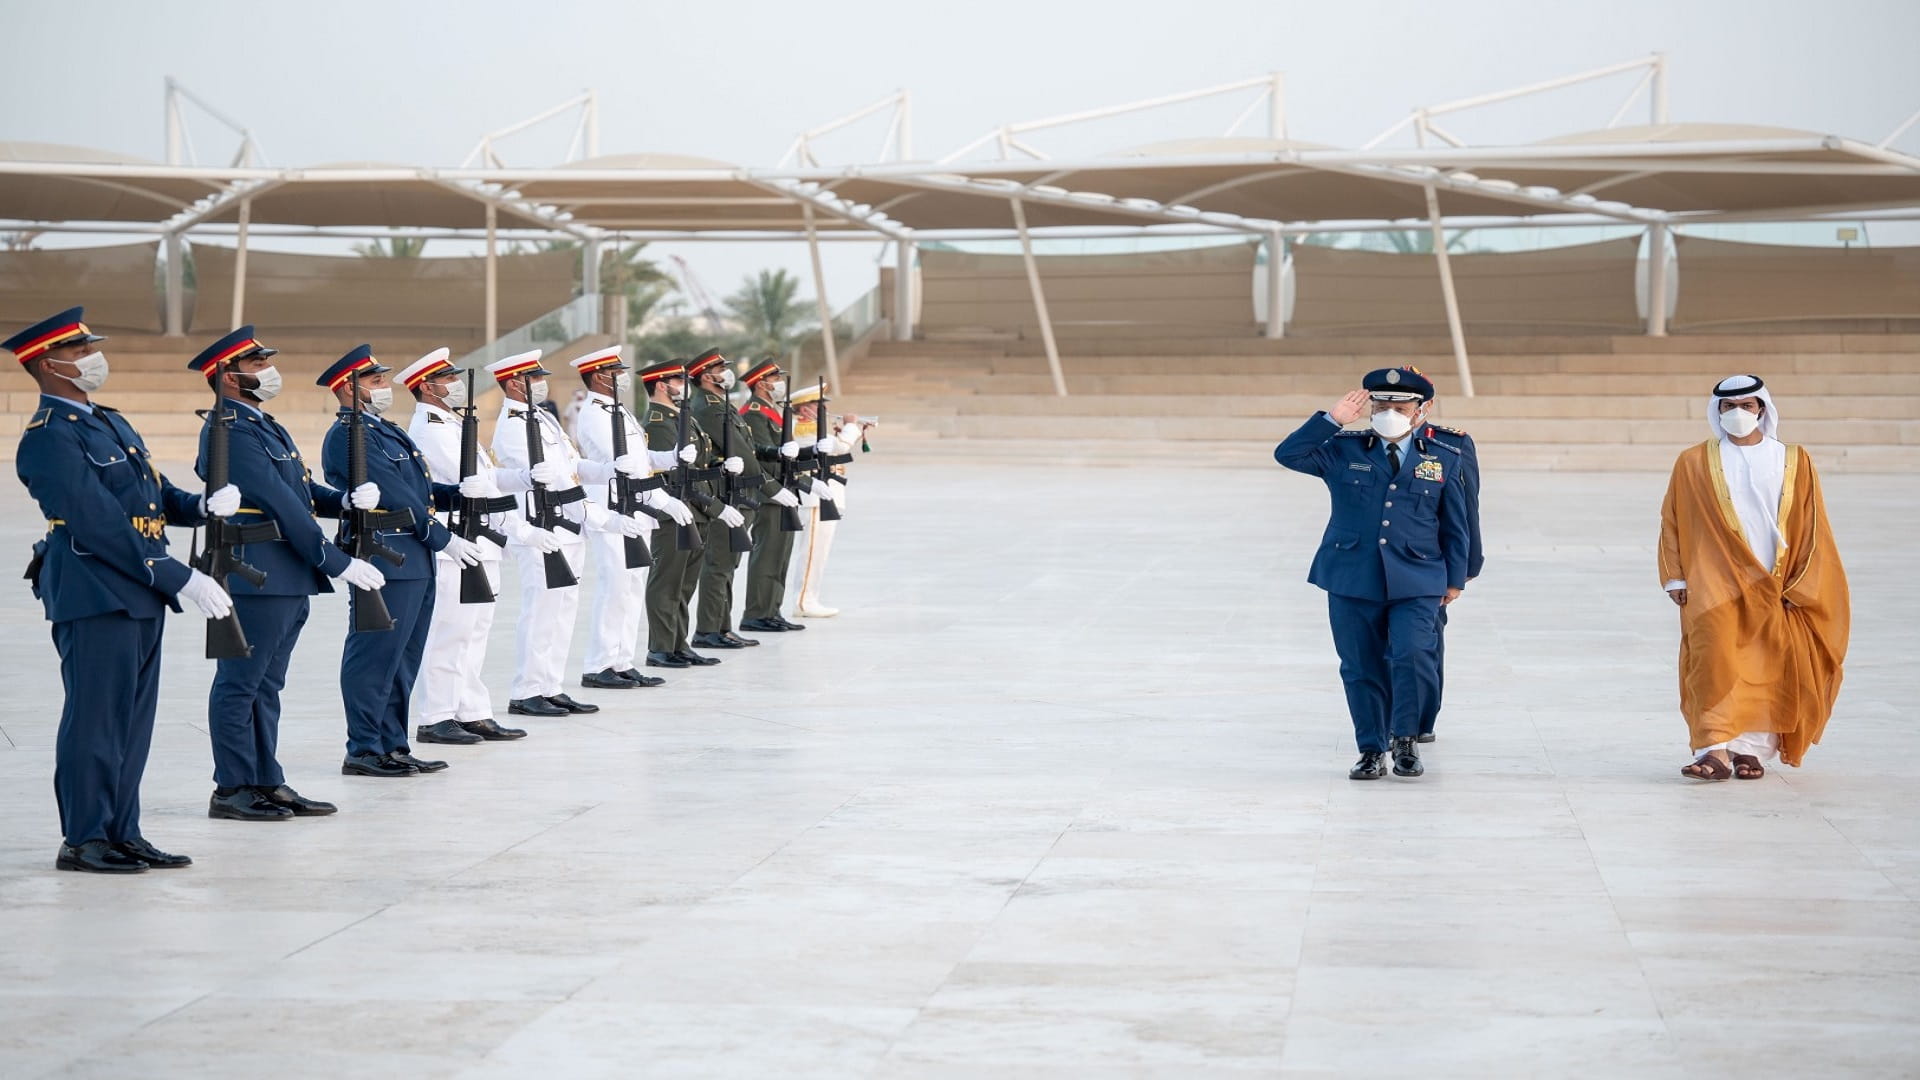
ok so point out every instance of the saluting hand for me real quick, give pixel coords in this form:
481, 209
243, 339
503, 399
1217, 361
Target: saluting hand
1352, 406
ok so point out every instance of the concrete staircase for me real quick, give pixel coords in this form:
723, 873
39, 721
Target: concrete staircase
1594, 403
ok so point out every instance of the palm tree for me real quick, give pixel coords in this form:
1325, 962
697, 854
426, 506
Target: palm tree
394, 247
771, 316
624, 271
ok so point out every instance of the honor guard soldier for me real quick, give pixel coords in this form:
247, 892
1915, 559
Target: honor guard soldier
619, 598
1394, 552
750, 485
832, 452
451, 697
677, 551
767, 420
549, 583
378, 666
106, 581
1476, 557
243, 707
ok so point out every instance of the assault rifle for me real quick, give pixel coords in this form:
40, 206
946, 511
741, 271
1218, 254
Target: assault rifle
225, 639
623, 491
543, 507
362, 527
739, 540
789, 478
687, 537
468, 519
822, 464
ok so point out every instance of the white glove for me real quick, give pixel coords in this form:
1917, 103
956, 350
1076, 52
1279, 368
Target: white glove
667, 504
786, 498
365, 497
849, 436
731, 518
461, 550
206, 594
836, 491
478, 486
826, 445
689, 452
631, 465
734, 465
222, 503
362, 574
540, 540
549, 474
817, 489
628, 526
790, 449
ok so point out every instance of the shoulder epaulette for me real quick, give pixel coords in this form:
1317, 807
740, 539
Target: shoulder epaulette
434, 419
1351, 434
1447, 430
654, 413
40, 418
104, 408
1431, 441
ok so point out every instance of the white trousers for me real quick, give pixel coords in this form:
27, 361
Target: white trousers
450, 686
813, 556
545, 631
1761, 744
619, 605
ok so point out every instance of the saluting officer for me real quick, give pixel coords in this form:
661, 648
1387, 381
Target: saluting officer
451, 696
378, 667
106, 580
713, 379
1476, 558
619, 598
243, 706
545, 630
675, 573
772, 544
1394, 552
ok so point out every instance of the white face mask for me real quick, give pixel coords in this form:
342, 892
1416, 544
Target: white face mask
379, 399
774, 389
623, 385
726, 378
1739, 423
537, 392
1391, 423
268, 387
93, 372
453, 396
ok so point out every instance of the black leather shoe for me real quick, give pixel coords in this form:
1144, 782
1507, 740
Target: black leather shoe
643, 680
696, 659
97, 857
562, 701
1425, 737
1406, 759
401, 757
296, 802
534, 706
138, 848
245, 804
374, 765
738, 641
491, 731
448, 732
665, 659
717, 639
1371, 766
765, 626
788, 624
607, 679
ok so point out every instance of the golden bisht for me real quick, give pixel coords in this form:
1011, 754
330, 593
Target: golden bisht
1760, 651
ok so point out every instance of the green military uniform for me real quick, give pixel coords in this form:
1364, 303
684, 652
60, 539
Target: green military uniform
752, 488
772, 545
675, 573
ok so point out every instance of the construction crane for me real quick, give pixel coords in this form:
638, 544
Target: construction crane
696, 292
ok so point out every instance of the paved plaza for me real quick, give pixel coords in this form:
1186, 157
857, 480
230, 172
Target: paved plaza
1062, 793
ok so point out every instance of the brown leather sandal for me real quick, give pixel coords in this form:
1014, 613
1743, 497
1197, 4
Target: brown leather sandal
1747, 767
1707, 767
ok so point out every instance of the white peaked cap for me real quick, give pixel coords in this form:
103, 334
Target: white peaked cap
599, 357
437, 356
519, 363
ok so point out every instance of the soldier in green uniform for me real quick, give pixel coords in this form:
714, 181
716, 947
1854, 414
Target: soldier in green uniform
675, 573
772, 544
750, 485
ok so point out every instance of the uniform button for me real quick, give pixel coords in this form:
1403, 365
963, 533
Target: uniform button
1389, 504
1383, 541
1384, 524
150, 506
1393, 487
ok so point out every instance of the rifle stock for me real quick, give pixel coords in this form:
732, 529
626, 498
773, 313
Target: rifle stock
822, 425
739, 540
222, 558
475, 586
542, 511
789, 515
622, 496
370, 613
686, 537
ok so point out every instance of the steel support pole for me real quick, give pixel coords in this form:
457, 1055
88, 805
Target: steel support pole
493, 275
176, 286
240, 266
590, 267
820, 303
1447, 294
1656, 281
903, 290
1276, 285
1039, 300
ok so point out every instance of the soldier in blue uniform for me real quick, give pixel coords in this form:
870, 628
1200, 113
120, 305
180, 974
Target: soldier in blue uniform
1476, 558
243, 707
1394, 552
107, 582
377, 668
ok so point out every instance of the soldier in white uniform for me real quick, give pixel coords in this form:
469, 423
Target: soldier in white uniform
451, 697
833, 449
619, 596
547, 607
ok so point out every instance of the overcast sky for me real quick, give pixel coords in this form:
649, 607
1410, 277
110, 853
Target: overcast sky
418, 83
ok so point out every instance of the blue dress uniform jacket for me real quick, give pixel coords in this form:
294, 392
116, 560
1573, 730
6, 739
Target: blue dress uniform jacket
1390, 537
378, 668
243, 705
106, 581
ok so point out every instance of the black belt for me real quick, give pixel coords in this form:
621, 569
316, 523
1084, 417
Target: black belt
838, 459
716, 473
